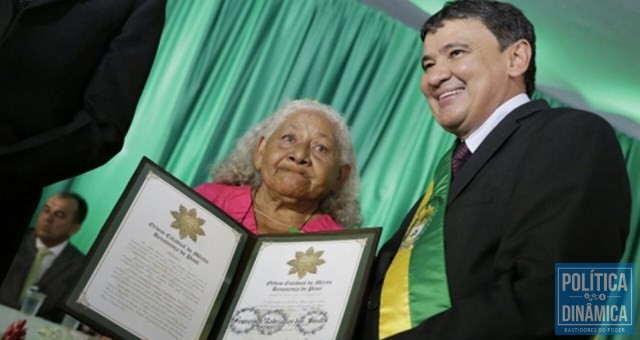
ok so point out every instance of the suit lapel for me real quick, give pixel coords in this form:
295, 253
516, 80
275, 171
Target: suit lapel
59, 264
490, 145
6, 14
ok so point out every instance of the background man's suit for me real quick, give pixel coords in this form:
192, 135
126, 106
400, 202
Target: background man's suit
545, 186
71, 74
55, 282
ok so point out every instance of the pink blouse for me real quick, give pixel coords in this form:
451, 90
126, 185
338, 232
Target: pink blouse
236, 201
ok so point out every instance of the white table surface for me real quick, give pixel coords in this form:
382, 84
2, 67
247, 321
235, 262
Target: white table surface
38, 328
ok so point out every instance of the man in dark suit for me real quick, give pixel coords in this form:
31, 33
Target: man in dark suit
539, 186
59, 267
71, 73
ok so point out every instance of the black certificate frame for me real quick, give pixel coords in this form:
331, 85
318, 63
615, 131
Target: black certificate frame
104, 324
370, 237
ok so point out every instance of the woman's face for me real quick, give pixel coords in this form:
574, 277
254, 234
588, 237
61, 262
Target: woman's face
300, 161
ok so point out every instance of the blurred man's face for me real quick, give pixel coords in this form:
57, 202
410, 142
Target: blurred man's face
56, 222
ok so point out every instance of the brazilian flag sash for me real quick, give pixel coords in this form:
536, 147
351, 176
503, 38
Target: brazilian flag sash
415, 285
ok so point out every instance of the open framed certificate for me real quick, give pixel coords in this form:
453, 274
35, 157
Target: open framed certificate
162, 263
301, 286
168, 264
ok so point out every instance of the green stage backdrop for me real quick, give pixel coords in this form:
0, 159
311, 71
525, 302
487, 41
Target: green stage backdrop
224, 65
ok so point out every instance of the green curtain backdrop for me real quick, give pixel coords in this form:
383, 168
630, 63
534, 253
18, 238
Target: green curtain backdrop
224, 65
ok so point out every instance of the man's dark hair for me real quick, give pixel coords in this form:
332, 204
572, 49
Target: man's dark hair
82, 210
507, 23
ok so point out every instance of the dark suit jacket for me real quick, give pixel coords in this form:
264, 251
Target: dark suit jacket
545, 186
71, 73
55, 282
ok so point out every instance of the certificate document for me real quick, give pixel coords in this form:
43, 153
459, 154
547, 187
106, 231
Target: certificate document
161, 266
168, 264
301, 287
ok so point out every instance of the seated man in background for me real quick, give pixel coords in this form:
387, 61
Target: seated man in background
46, 259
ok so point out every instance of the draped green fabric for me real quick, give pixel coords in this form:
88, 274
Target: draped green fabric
224, 65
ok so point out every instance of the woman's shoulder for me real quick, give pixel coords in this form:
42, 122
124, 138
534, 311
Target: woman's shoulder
217, 188
220, 192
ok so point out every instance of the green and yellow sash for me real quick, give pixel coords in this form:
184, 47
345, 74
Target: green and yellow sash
415, 285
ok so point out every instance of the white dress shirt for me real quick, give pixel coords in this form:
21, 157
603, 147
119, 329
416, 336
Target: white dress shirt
476, 137
47, 261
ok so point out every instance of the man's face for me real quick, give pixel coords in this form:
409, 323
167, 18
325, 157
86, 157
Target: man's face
56, 222
466, 75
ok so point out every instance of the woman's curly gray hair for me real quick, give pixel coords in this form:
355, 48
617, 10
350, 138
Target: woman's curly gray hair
239, 167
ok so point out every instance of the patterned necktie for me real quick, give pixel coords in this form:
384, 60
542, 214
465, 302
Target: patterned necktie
34, 271
460, 156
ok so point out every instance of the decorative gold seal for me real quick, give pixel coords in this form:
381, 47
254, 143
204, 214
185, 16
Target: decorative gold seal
187, 223
306, 262
424, 216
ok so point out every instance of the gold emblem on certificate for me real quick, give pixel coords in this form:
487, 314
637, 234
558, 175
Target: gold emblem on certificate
187, 223
306, 262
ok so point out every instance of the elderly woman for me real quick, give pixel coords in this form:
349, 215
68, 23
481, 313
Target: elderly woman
295, 171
